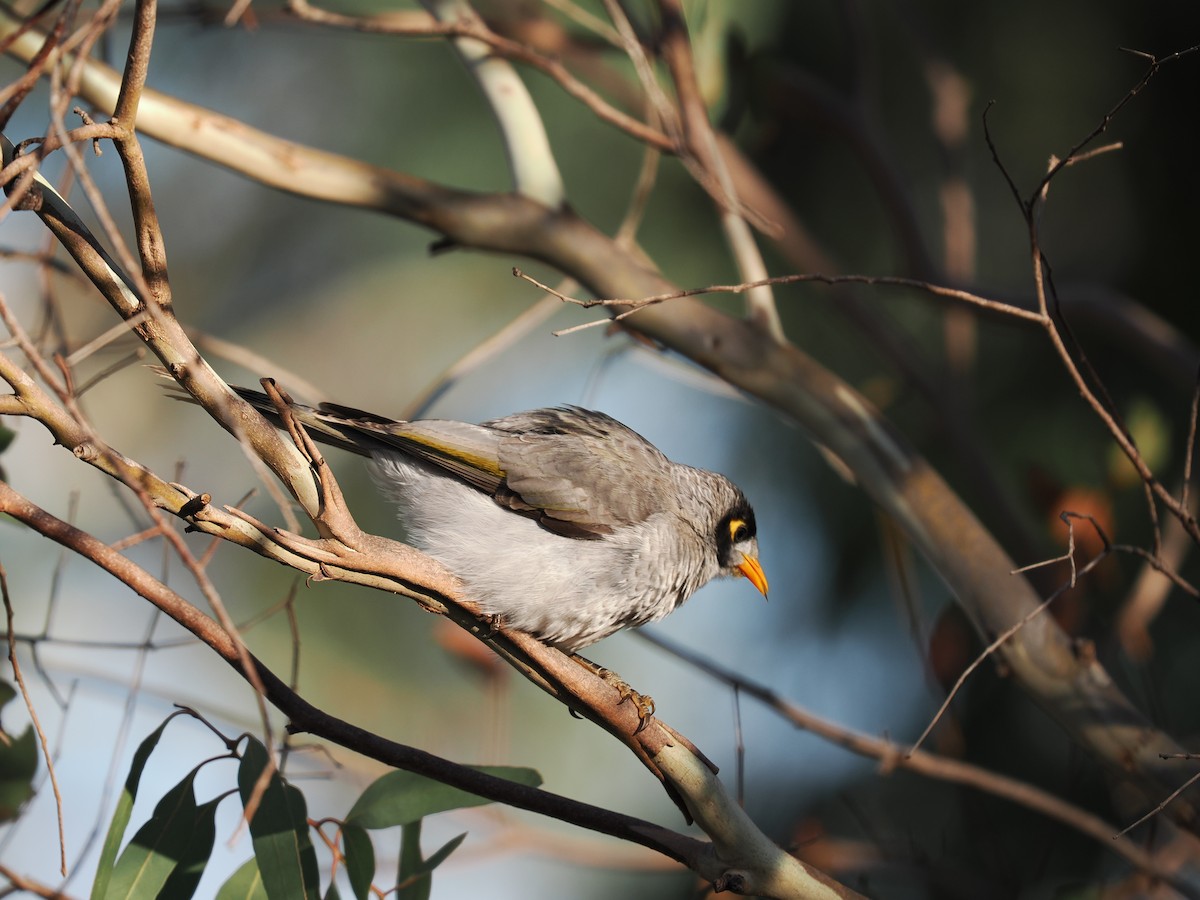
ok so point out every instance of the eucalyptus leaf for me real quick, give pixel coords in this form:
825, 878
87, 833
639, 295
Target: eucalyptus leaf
244, 884
157, 847
401, 798
359, 853
279, 830
124, 809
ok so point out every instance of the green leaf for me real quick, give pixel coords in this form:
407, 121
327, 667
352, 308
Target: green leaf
332, 893
120, 819
279, 831
415, 878
412, 882
182, 882
244, 884
158, 846
6, 438
440, 856
18, 765
359, 853
401, 798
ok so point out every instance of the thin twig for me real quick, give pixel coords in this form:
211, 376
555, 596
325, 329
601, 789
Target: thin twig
950, 293
1190, 446
1069, 556
1072, 155
1007, 635
37, 725
1089, 386
1161, 806
975, 664
24, 883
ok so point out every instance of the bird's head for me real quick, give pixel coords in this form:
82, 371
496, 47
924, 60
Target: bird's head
737, 545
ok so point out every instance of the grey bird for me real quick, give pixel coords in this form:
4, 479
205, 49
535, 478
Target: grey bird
561, 522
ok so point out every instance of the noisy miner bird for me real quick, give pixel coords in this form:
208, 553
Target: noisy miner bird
562, 522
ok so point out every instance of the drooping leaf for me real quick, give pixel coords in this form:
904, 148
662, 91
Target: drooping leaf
158, 846
279, 831
244, 884
359, 853
443, 853
401, 798
181, 885
120, 818
412, 881
415, 879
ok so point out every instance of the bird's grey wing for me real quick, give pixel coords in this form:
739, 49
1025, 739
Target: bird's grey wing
469, 452
570, 468
583, 485
466, 451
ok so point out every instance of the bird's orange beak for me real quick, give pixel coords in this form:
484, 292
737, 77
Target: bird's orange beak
751, 568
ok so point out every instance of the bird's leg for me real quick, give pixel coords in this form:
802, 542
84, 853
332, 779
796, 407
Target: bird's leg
643, 702
490, 625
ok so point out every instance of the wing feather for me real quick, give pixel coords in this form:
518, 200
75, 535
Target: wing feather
567, 467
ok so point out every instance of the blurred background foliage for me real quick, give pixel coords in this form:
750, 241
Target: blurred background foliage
832, 101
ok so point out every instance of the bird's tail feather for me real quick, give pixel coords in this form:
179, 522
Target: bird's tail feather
324, 425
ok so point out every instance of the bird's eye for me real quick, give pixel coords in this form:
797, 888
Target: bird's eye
738, 531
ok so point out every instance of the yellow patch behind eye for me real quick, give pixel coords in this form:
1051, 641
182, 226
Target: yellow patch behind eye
737, 527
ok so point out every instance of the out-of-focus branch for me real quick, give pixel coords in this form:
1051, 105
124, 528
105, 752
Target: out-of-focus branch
474, 28
534, 170
702, 144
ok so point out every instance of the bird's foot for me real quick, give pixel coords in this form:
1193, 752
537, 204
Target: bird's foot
644, 703
489, 625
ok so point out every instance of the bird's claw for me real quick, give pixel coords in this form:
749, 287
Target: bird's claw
643, 702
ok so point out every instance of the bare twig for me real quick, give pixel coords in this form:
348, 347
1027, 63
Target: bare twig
987, 652
36, 888
1158, 809
33, 715
1073, 155
994, 306
1059, 332
1067, 517
1190, 446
